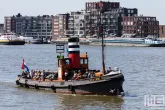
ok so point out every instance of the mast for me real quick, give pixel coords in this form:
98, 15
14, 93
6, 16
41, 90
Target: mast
102, 36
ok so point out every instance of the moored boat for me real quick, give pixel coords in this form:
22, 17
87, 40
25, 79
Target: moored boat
37, 41
40, 41
153, 42
10, 39
145, 42
79, 79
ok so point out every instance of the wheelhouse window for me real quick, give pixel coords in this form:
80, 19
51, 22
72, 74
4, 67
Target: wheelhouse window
82, 61
86, 61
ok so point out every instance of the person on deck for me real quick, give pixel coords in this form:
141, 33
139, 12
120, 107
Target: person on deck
92, 74
56, 75
38, 75
89, 75
79, 76
31, 74
23, 74
86, 74
74, 76
66, 75
42, 76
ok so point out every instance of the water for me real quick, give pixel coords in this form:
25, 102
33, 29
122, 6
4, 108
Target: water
143, 68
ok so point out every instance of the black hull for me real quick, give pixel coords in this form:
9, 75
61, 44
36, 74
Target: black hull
156, 45
39, 42
111, 86
4, 43
13, 43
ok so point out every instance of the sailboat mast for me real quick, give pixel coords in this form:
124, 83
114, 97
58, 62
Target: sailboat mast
102, 36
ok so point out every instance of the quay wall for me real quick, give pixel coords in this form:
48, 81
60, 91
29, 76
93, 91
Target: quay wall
121, 44
87, 41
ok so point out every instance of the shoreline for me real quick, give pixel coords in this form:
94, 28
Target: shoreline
120, 44
93, 42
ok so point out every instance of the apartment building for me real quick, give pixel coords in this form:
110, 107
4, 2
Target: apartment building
1, 28
93, 9
162, 31
141, 26
30, 26
112, 19
7, 24
76, 24
59, 25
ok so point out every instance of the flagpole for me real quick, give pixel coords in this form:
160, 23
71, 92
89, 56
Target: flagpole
22, 64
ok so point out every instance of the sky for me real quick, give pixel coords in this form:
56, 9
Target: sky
53, 7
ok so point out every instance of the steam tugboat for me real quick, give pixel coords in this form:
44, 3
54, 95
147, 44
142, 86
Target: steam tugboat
74, 76
100, 84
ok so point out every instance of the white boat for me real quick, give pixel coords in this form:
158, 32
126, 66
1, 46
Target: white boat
10, 39
154, 41
26, 39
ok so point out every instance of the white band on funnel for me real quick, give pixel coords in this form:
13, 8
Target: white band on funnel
74, 49
73, 43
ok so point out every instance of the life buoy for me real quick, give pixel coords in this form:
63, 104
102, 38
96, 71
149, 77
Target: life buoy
36, 86
17, 82
53, 88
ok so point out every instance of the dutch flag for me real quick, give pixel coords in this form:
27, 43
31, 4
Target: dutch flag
24, 66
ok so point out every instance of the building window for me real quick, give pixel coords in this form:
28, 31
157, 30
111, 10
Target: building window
132, 11
81, 32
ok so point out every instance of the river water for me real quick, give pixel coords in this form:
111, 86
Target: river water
143, 68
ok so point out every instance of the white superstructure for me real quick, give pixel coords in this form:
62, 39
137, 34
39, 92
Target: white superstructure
9, 36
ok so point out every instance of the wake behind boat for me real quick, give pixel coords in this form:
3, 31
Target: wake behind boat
10, 39
74, 76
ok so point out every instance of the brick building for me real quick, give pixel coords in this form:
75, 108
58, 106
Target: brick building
7, 24
113, 18
93, 9
162, 31
140, 26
